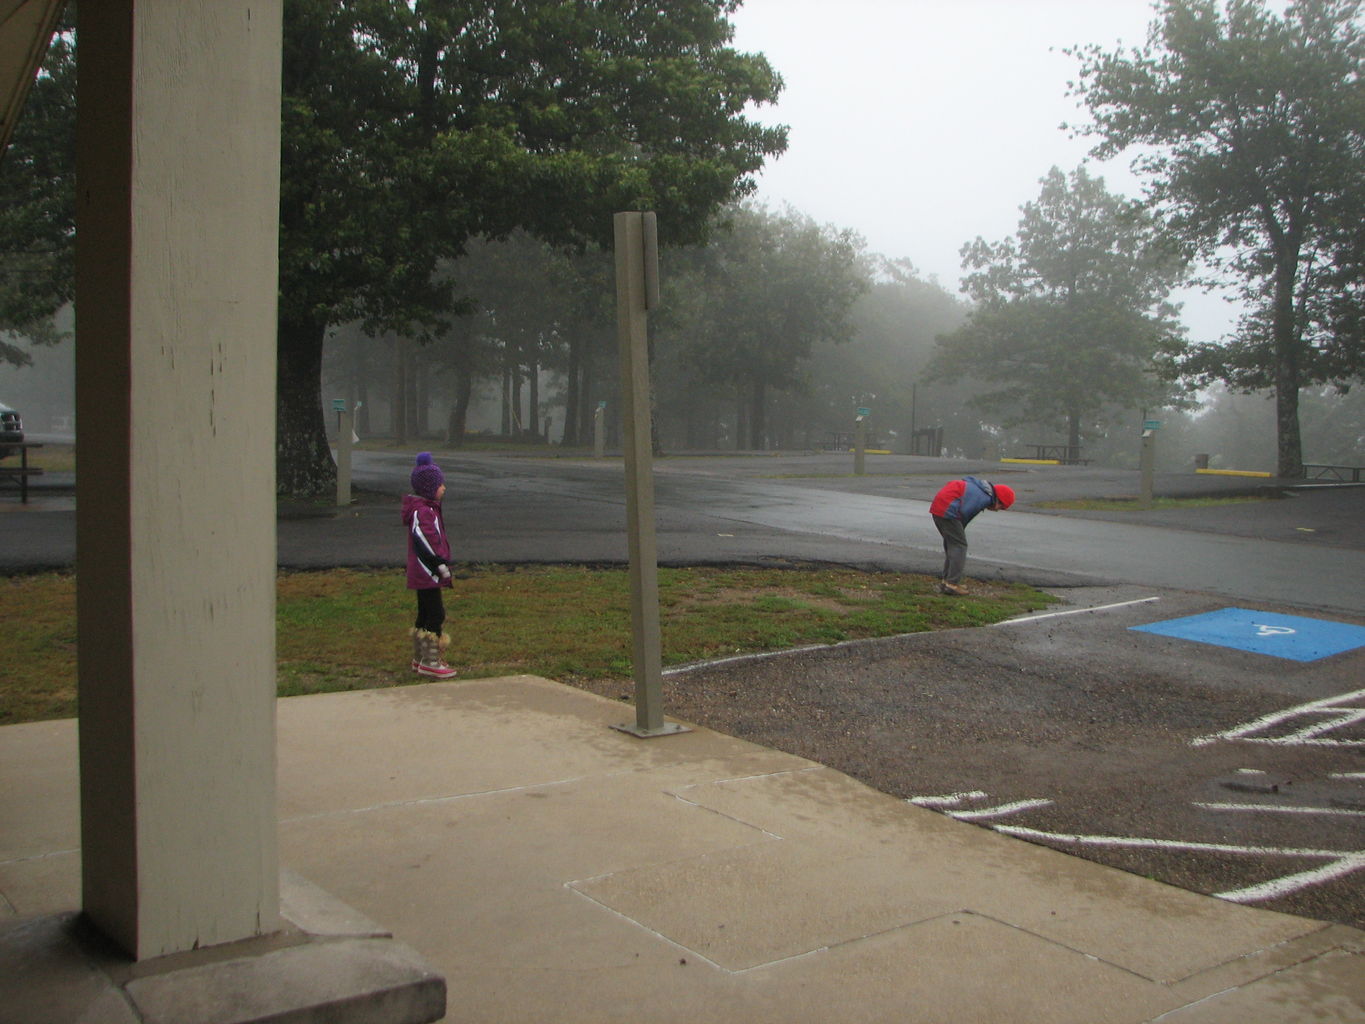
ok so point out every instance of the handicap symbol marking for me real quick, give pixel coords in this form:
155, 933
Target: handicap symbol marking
1264, 630
1294, 637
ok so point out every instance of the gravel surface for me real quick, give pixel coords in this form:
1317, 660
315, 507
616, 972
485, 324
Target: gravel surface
1088, 724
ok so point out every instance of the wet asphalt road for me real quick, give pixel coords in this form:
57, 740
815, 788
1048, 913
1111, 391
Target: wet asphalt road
1307, 550
1072, 730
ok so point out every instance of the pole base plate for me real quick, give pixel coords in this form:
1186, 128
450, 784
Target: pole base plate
667, 729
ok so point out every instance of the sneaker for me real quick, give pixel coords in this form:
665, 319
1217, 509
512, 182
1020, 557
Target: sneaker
438, 671
952, 588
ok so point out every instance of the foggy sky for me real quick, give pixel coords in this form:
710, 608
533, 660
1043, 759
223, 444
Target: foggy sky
922, 124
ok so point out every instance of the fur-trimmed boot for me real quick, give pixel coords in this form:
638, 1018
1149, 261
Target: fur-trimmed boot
416, 635
432, 663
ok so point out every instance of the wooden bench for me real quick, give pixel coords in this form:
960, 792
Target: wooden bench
20, 473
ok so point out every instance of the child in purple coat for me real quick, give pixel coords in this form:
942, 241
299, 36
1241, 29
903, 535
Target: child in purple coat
428, 571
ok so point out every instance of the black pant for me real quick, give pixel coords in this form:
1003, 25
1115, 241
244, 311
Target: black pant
431, 610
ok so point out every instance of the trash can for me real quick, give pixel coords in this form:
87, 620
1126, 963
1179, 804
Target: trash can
1201, 461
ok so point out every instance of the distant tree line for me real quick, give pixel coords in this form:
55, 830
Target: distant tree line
450, 171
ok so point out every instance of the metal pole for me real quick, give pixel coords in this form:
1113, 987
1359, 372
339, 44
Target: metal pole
859, 447
634, 278
599, 441
1148, 463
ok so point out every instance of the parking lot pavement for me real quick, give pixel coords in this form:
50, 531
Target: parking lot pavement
1223, 771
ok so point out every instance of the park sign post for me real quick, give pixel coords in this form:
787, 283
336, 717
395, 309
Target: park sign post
860, 440
1147, 459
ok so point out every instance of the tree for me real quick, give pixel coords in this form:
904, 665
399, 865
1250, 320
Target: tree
37, 203
1071, 312
884, 364
775, 285
1251, 128
410, 127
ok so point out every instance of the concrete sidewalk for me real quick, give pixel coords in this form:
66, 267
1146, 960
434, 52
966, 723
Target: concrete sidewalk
554, 869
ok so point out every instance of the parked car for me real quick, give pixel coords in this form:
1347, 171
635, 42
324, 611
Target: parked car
11, 428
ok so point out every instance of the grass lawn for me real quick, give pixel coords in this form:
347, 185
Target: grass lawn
348, 629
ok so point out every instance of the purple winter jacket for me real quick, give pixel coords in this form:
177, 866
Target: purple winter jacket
428, 548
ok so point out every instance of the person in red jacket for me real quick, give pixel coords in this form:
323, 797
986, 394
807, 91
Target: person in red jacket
428, 571
953, 507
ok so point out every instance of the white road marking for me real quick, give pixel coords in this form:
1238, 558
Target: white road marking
1352, 776
1339, 862
948, 800
1324, 716
1000, 811
1290, 884
1077, 611
1137, 843
1274, 809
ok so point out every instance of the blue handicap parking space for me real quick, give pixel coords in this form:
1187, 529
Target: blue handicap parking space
1281, 636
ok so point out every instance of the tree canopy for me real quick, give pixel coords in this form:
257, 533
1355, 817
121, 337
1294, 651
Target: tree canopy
770, 287
1251, 132
410, 127
1071, 311
37, 203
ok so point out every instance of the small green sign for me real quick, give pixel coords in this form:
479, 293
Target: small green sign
1151, 424
339, 405
864, 411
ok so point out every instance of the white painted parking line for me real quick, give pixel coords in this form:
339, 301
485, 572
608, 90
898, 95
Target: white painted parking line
1339, 862
1000, 811
1077, 611
1274, 809
1322, 717
1351, 776
948, 800
1290, 884
1139, 843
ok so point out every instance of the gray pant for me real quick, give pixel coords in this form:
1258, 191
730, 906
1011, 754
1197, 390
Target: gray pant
954, 548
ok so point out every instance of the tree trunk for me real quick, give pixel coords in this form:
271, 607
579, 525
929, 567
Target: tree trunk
514, 399
398, 415
571, 392
533, 391
1289, 442
459, 412
359, 389
1073, 431
410, 422
303, 458
362, 414
421, 389
587, 405
758, 423
506, 423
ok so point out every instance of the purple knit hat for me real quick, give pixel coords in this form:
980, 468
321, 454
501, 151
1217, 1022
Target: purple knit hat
427, 477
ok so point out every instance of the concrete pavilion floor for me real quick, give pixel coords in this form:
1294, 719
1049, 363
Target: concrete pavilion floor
555, 869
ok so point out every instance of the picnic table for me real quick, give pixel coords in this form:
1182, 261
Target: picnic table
1066, 454
23, 471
